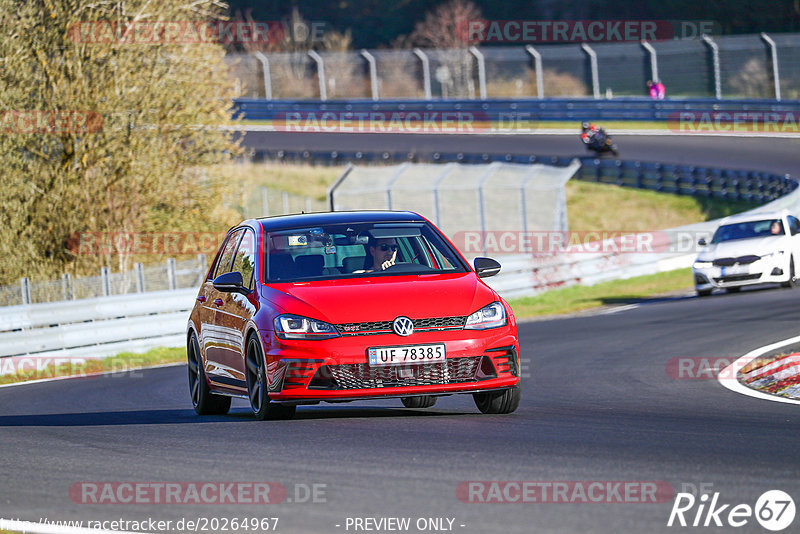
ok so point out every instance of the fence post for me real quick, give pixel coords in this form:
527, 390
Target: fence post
138, 269
171, 277
537, 65
66, 284
336, 184
201, 267
653, 60
25, 289
776, 74
264, 202
267, 75
714, 64
426, 72
105, 282
285, 198
323, 91
373, 73
308, 205
481, 70
593, 68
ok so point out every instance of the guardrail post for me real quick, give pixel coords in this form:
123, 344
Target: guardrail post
138, 269
264, 202
25, 290
105, 282
593, 67
66, 285
537, 66
773, 53
653, 60
373, 73
426, 72
715, 65
481, 70
285, 198
171, 276
267, 75
323, 91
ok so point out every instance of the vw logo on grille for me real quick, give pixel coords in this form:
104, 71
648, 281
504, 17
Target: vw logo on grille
403, 326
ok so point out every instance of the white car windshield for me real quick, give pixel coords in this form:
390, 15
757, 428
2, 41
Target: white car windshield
747, 230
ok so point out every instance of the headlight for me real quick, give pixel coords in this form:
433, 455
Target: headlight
703, 264
491, 316
299, 327
773, 254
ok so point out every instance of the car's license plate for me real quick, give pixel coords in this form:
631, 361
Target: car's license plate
406, 354
735, 269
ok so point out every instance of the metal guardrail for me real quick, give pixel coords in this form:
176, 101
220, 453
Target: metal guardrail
731, 184
96, 327
512, 111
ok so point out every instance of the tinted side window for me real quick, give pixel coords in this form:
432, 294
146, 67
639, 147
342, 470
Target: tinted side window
245, 258
794, 225
224, 263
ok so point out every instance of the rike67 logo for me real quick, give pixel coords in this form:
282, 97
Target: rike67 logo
774, 510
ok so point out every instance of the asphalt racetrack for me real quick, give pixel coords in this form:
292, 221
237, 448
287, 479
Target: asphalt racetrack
598, 405
777, 155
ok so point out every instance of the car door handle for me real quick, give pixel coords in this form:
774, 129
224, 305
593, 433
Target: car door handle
201, 298
218, 302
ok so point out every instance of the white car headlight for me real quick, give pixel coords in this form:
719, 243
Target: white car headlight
299, 327
773, 254
491, 316
703, 264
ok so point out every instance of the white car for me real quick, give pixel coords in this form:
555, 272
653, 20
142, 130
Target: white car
749, 249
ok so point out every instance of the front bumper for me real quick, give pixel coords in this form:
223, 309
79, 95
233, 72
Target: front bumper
337, 369
774, 269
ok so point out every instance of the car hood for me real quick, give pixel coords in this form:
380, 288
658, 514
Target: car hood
383, 298
758, 246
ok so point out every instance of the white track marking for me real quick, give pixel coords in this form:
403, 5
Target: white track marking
733, 369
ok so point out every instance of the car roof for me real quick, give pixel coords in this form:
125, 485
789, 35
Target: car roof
333, 217
757, 216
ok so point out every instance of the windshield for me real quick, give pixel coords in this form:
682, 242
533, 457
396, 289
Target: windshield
746, 230
357, 250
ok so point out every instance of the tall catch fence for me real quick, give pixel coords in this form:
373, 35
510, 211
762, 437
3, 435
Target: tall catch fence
730, 66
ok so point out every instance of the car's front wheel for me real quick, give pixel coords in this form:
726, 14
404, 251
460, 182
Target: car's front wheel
423, 401
498, 402
204, 402
257, 386
703, 292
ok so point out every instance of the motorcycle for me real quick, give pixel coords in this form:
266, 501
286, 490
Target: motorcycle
598, 141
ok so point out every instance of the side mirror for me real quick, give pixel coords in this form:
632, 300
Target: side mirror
702, 242
486, 267
230, 283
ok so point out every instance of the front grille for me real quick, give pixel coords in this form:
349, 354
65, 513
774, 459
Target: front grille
741, 260
738, 277
362, 376
385, 327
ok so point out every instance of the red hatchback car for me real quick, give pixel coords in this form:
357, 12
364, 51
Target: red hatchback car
346, 306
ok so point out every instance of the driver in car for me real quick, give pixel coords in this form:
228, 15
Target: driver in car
381, 254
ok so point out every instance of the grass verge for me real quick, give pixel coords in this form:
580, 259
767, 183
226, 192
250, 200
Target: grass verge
579, 298
60, 367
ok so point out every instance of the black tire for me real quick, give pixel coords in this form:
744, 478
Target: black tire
257, 386
424, 401
791, 283
498, 402
204, 402
703, 292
